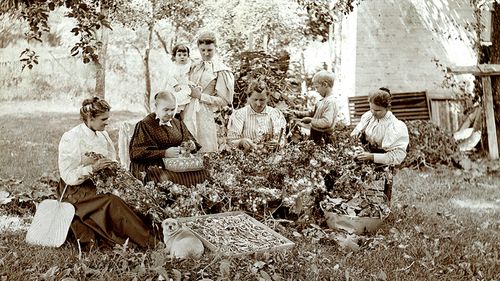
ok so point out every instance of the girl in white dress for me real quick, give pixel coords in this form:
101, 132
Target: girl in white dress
178, 76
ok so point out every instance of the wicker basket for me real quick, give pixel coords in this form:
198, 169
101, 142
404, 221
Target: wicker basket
184, 164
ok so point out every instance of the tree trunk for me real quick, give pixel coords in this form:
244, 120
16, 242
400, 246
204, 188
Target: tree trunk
100, 65
147, 71
495, 59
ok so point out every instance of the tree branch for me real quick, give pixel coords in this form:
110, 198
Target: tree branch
163, 43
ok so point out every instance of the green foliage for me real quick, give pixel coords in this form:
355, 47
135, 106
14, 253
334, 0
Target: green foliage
320, 17
416, 242
321, 14
430, 146
261, 67
28, 58
88, 15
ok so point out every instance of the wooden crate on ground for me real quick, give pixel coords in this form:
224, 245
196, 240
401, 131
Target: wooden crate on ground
235, 234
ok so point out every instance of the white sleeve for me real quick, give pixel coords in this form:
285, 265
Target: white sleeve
395, 143
70, 169
360, 127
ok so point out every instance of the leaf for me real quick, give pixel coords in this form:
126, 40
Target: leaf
225, 268
4, 197
49, 274
277, 277
177, 274
265, 275
381, 275
259, 264
162, 272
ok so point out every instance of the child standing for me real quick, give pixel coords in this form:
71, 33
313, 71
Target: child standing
324, 116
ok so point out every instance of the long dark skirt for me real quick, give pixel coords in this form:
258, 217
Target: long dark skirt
158, 174
103, 216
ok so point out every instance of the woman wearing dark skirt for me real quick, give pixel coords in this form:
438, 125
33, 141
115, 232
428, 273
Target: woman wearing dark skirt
97, 216
160, 135
385, 136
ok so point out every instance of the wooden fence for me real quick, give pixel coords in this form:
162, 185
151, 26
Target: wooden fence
405, 106
446, 111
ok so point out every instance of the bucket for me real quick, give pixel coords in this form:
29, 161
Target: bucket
353, 224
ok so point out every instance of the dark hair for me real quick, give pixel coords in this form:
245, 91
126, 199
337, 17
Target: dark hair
385, 89
179, 48
93, 107
257, 87
381, 97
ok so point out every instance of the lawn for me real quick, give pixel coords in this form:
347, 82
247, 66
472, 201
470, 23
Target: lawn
444, 225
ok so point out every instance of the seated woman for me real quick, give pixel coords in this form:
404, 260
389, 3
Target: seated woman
160, 135
256, 123
97, 216
386, 136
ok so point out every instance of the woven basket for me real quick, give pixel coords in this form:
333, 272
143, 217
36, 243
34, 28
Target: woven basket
184, 164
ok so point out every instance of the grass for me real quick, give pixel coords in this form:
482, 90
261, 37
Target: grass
29, 141
444, 225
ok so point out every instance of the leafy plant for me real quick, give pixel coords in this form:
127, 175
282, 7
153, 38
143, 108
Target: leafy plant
429, 146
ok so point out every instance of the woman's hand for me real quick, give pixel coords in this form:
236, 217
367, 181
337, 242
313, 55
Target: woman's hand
247, 144
364, 156
272, 145
306, 120
195, 91
87, 160
173, 152
101, 164
355, 135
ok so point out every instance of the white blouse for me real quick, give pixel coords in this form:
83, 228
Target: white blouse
387, 133
74, 144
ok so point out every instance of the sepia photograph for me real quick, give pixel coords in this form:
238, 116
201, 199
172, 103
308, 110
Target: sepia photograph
264, 140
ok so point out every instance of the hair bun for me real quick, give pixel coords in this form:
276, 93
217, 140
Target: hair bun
90, 101
385, 89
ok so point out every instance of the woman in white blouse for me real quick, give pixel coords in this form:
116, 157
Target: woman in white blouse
98, 217
386, 136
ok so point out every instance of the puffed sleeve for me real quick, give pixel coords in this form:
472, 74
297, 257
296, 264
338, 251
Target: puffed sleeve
395, 142
235, 125
70, 169
224, 87
142, 146
365, 119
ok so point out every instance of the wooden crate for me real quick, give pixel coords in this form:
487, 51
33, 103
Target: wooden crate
221, 242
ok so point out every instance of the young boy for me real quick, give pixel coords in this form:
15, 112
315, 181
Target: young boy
324, 116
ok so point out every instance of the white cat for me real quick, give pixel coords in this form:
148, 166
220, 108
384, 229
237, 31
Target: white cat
180, 241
